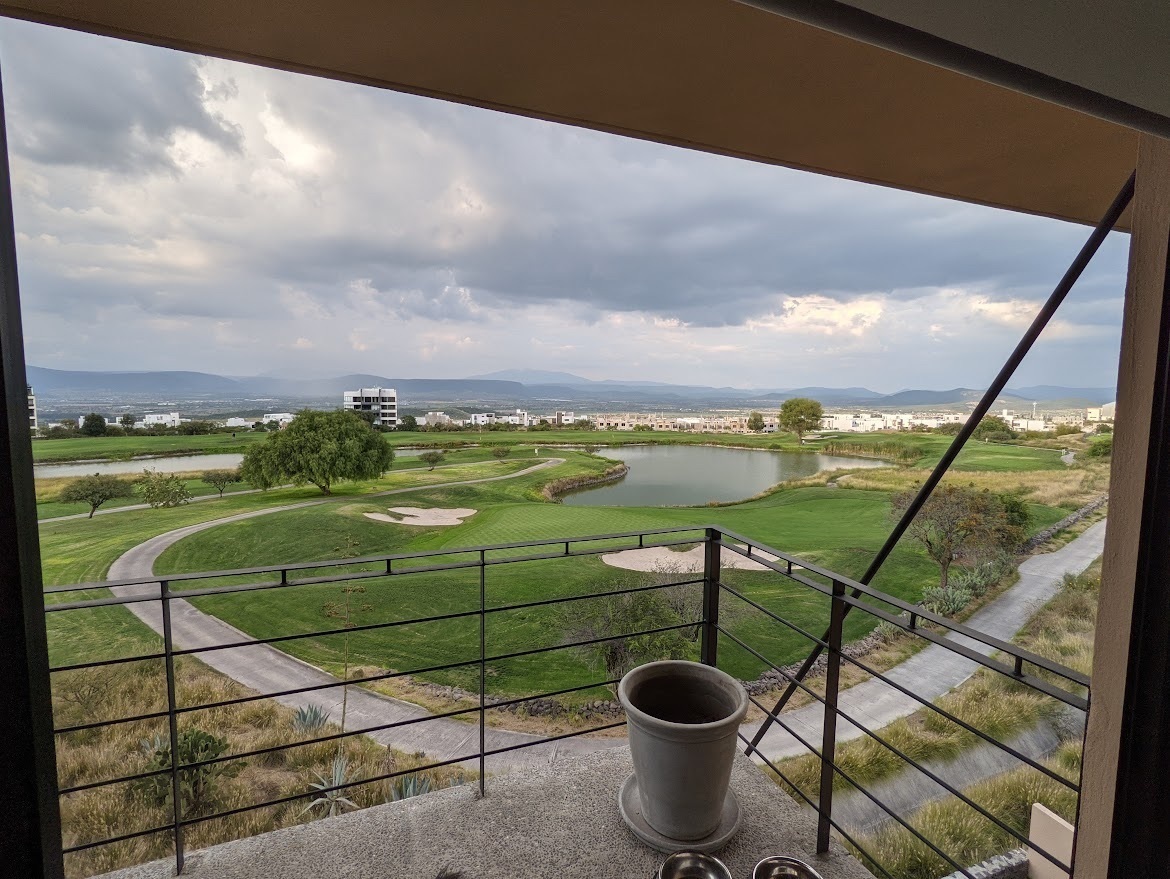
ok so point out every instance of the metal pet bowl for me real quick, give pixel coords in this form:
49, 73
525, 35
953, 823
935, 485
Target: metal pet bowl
692, 865
784, 867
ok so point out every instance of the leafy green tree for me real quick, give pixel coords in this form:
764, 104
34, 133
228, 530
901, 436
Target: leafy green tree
408, 422
163, 489
1104, 428
220, 479
755, 422
431, 459
93, 425
992, 427
500, 452
1017, 521
96, 490
800, 415
127, 421
319, 448
954, 521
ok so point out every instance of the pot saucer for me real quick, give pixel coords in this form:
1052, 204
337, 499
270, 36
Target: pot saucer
630, 805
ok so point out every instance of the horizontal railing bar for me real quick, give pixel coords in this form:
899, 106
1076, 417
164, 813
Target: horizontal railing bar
628, 591
111, 782
369, 560
1007, 647
115, 721
572, 644
140, 598
316, 792
774, 616
556, 738
102, 663
987, 738
488, 706
73, 849
813, 804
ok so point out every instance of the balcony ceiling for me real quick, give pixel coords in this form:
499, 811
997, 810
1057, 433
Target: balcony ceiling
715, 75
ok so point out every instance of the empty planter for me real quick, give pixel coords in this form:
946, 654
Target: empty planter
683, 718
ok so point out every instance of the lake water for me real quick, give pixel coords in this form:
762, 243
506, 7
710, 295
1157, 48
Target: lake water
169, 464
662, 476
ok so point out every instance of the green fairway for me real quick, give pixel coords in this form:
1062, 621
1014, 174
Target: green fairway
976, 455
838, 528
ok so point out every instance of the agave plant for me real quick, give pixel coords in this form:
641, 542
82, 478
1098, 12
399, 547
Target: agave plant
332, 802
310, 719
406, 786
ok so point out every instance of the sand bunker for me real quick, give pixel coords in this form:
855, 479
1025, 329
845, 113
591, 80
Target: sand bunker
423, 516
662, 558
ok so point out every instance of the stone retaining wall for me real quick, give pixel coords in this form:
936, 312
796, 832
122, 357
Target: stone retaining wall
1013, 865
1047, 534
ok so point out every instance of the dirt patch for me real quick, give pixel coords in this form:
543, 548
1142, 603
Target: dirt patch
423, 516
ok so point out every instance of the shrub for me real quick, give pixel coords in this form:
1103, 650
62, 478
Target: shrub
945, 601
163, 489
197, 786
978, 578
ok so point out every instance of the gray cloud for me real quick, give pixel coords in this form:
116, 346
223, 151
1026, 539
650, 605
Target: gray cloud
167, 201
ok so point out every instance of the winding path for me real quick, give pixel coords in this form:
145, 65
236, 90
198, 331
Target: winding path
931, 672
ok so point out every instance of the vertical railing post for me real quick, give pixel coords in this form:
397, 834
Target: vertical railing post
164, 592
709, 646
832, 690
482, 670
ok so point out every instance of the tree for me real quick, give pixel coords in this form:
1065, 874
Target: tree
954, 521
96, 490
1104, 428
220, 479
163, 489
318, 448
800, 415
127, 421
408, 422
93, 425
500, 452
755, 422
992, 427
431, 459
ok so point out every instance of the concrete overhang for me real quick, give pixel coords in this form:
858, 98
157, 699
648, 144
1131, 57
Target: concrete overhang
855, 101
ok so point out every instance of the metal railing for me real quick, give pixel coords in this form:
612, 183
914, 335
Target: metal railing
841, 594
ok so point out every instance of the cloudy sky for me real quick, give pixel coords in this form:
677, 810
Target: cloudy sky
176, 212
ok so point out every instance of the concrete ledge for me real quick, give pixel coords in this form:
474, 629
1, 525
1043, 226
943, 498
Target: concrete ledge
559, 820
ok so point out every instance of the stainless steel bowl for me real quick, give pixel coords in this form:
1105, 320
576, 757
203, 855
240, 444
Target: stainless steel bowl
693, 865
784, 867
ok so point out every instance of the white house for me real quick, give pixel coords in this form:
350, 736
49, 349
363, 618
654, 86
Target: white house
482, 419
162, 419
382, 402
239, 422
431, 419
281, 418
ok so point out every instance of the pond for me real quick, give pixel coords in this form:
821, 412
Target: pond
662, 476
163, 464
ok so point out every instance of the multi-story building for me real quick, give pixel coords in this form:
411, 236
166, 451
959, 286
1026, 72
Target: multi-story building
382, 402
482, 419
281, 418
162, 419
32, 409
433, 419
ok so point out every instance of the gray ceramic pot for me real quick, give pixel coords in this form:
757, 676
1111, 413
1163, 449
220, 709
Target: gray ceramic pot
683, 718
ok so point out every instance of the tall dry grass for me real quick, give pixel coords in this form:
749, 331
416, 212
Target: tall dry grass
117, 751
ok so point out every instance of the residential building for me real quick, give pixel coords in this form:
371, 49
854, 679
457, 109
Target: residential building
382, 403
162, 419
239, 422
32, 409
281, 418
482, 419
433, 419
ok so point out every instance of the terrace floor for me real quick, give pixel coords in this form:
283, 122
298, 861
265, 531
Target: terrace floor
559, 820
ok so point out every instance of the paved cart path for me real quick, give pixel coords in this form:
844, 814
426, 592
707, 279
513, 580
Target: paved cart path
935, 670
931, 673
268, 670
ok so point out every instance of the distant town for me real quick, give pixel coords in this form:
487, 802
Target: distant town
381, 406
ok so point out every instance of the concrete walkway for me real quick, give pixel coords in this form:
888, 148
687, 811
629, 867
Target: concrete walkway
268, 670
935, 671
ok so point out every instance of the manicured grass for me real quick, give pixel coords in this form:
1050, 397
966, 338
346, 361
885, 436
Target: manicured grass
976, 455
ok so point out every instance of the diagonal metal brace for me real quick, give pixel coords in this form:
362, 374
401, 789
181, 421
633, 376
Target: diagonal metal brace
1071, 276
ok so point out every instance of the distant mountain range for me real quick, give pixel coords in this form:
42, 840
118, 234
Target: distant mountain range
520, 387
